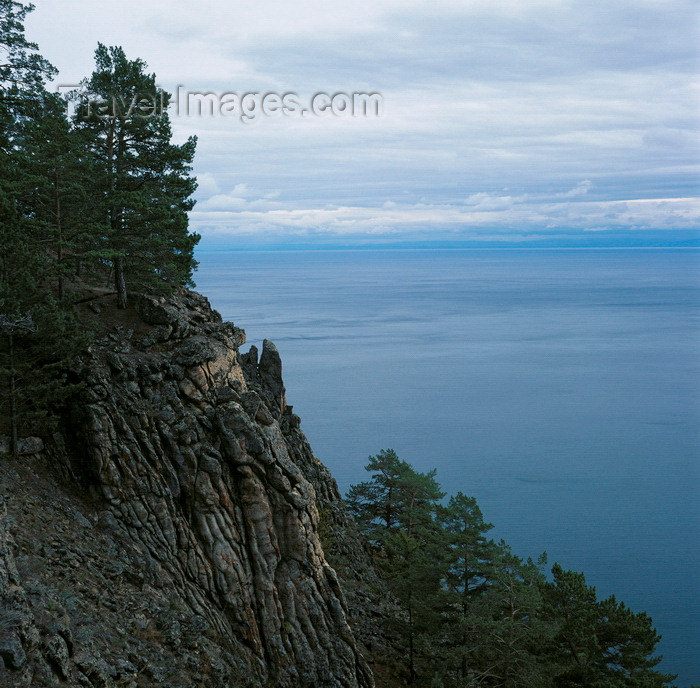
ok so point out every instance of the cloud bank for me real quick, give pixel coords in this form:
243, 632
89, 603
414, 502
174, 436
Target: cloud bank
500, 119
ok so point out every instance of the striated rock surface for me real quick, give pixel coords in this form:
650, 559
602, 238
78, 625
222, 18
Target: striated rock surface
190, 523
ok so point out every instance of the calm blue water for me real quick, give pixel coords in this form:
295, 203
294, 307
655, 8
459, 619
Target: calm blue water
560, 388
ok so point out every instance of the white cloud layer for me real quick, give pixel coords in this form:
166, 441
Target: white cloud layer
507, 116
232, 215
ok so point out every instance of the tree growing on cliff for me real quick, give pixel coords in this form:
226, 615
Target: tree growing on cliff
23, 71
22, 75
469, 572
54, 178
496, 638
394, 498
598, 643
473, 614
37, 335
397, 510
470, 552
143, 185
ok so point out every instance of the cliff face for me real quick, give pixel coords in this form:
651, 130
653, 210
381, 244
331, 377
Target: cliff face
190, 524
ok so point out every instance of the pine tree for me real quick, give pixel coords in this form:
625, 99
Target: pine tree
396, 510
36, 351
54, 177
413, 570
470, 551
470, 558
473, 614
503, 628
377, 503
23, 72
144, 184
22, 75
598, 643
37, 336
21, 66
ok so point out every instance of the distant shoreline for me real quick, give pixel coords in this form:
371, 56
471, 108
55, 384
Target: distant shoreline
279, 248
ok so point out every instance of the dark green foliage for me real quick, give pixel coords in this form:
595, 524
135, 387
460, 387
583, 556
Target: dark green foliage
504, 625
491, 625
142, 185
77, 201
38, 337
22, 72
376, 503
470, 552
474, 613
35, 351
21, 67
598, 643
54, 177
397, 511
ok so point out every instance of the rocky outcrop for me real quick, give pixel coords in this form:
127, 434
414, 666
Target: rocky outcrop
199, 487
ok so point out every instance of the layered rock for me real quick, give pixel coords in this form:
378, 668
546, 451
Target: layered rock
197, 468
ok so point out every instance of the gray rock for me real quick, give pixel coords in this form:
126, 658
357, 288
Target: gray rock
209, 494
82, 521
25, 445
11, 650
56, 652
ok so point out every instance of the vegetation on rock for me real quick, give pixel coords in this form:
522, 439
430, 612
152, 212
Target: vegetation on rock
472, 613
102, 198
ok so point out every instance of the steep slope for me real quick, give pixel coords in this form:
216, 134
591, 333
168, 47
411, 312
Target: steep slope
185, 550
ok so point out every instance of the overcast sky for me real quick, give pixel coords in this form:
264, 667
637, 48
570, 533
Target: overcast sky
510, 120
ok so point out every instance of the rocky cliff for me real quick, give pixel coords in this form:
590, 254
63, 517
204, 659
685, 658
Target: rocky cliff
168, 534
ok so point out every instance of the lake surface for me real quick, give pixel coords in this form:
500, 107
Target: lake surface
559, 388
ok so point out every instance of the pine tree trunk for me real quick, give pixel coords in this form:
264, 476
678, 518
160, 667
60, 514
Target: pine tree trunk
59, 227
120, 282
411, 666
14, 440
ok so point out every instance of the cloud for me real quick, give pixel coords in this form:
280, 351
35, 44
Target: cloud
581, 189
491, 202
466, 220
547, 112
241, 197
207, 185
